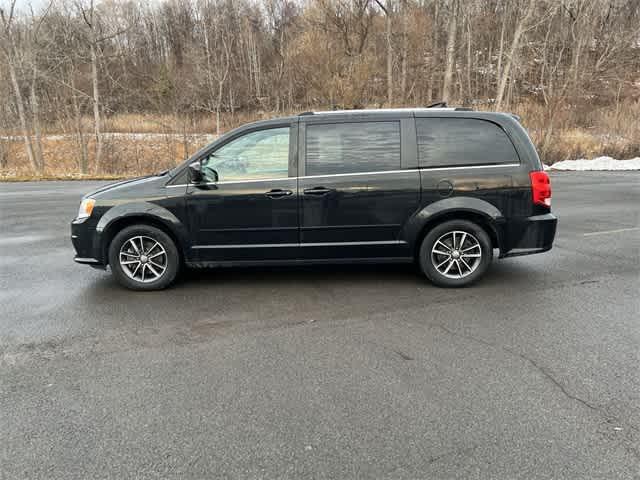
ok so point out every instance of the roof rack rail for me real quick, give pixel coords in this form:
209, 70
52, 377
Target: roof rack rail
434, 106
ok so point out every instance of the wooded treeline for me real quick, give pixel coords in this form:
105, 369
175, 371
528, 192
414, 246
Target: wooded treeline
76, 66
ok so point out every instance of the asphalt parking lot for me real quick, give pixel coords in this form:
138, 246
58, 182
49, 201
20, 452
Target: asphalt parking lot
332, 372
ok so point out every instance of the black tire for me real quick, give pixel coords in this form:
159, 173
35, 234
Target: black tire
475, 235
148, 234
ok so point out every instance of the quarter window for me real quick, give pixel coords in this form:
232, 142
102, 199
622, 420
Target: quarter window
449, 142
255, 156
352, 147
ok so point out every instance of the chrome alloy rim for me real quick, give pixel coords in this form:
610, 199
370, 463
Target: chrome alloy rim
143, 259
456, 254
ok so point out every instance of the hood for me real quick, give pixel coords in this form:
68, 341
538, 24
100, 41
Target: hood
123, 184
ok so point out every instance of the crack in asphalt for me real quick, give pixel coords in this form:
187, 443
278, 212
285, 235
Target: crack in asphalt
402, 355
456, 451
552, 379
540, 369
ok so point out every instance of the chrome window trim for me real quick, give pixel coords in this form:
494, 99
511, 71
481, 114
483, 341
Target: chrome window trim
467, 167
380, 172
253, 180
321, 244
231, 182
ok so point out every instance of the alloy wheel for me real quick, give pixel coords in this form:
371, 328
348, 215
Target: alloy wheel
143, 259
456, 254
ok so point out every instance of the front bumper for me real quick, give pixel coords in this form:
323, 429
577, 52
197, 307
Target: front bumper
84, 240
85, 260
528, 236
92, 262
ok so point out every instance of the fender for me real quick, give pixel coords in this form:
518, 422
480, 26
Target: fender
414, 226
152, 211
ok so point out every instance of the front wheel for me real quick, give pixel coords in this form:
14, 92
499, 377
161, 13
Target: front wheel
455, 253
143, 257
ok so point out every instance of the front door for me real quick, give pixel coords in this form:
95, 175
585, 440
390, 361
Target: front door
250, 212
356, 193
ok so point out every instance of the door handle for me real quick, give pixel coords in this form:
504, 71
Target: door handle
317, 191
278, 193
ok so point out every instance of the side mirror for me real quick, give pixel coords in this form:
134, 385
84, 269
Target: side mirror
195, 172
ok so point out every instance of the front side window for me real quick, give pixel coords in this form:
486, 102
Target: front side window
450, 142
255, 156
352, 147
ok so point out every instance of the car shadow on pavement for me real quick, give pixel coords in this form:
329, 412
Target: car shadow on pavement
287, 274
385, 279
501, 273
219, 302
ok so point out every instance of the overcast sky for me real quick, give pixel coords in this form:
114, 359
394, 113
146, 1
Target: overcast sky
24, 5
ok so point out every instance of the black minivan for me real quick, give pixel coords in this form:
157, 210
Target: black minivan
442, 187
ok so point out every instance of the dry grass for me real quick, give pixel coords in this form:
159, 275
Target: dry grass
131, 122
142, 144
123, 155
174, 124
583, 131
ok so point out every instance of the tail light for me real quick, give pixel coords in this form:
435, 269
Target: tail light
540, 188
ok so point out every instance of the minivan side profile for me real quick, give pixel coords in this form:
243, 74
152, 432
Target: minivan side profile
441, 187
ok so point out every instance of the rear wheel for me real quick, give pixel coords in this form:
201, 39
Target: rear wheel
143, 257
455, 253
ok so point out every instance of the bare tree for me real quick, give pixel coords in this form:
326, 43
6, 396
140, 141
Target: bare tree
388, 12
217, 51
433, 63
90, 17
451, 48
95, 37
190, 64
405, 51
12, 58
521, 26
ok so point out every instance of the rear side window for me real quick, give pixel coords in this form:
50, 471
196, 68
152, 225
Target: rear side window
352, 147
452, 142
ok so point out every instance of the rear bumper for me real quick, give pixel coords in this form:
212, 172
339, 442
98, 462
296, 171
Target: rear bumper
528, 236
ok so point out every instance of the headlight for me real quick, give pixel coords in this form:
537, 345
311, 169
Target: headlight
86, 207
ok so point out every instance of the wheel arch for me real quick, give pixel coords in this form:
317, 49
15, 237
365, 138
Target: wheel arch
475, 210
117, 219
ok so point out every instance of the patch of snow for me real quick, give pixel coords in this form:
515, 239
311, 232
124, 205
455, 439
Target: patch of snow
599, 163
